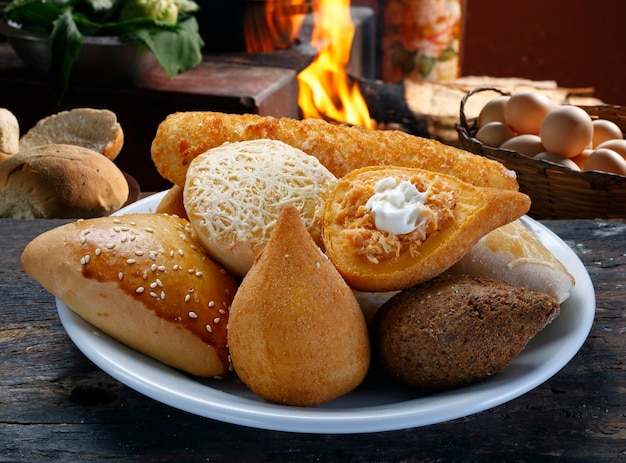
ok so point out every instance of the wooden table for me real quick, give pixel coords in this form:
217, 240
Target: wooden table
55, 405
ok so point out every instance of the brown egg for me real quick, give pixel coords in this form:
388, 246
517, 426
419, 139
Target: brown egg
527, 144
494, 134
525, 111
604, 130
606, 160
493, 111
566, 130
557, 159
581, 158
619, 146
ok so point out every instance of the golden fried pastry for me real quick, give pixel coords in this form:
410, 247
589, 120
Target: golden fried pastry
296, 333
456, 330
387, 228
234, 193
183, 136
172, 203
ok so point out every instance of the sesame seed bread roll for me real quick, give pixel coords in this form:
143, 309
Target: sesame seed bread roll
9, 134
142, 279
235, 192
183, 136
96, 129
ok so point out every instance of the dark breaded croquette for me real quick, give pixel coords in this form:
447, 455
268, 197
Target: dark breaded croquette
456, 330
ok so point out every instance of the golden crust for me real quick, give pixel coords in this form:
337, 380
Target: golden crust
142, 279
172, 203
297, 335
183, 136
471, 213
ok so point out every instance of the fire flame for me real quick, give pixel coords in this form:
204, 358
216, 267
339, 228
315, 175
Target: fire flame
325, 91
273, 25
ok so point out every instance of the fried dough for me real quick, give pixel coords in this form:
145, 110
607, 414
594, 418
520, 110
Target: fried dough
296, 333
456, 330
183, 136
456, 215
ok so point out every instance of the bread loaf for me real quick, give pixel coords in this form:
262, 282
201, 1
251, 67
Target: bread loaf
60, 181
142, 279
9, 134
96, 129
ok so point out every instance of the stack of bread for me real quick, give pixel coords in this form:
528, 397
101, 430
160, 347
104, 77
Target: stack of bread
62, 167
283, 224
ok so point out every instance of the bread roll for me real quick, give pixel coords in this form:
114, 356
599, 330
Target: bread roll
96, 129
9, 134
142, 279
513, 253
60, 181
234, 194
449, 217
183, 136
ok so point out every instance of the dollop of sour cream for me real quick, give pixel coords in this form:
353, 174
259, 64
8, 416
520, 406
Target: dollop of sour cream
397, 207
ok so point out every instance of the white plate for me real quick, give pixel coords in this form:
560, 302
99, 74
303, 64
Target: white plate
373, 406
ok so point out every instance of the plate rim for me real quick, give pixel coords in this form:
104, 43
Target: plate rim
204, 400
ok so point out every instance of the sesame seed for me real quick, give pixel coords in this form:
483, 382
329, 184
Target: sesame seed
153, 267
198, 274
171, 253
211, 303
130, 261
133, 238
222, 311
190, 271
187, 297
83, 239
120, 276
227, 292
110, 245
159, 282
150, 230
153, 285
125, 228
176, 267
140, 290
216, 320
97, 251
161, 268
139, 252
162, 295
193, 315
117, 221
153, 255
180, 252
117, 229
124, 239
209, 328
84, 260
153, 294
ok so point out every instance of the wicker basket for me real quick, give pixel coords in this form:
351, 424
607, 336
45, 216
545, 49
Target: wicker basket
556, 191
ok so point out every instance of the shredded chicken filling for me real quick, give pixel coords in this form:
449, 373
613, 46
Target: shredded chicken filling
377, 245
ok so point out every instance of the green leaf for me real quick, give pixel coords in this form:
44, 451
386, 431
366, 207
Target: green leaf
65, 44
177, 50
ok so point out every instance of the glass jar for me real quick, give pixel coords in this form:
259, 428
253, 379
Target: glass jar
421, 39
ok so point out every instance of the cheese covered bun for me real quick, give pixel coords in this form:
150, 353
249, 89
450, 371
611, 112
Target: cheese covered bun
142, 279
234, 193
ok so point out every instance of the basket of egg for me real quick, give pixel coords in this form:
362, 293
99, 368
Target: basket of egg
571, 160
